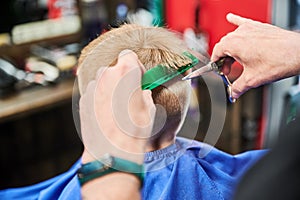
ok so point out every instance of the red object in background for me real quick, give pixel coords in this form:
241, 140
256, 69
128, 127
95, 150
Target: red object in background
61, 8
213, 15
54, 11
181, 14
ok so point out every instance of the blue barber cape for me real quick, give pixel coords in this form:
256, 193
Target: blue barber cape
175, 172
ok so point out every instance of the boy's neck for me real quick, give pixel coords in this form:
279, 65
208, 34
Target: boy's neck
163, 141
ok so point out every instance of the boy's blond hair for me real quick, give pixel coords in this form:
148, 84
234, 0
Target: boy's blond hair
153, 46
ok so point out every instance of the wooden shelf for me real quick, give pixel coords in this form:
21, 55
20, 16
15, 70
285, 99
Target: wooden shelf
35, 98
18, 53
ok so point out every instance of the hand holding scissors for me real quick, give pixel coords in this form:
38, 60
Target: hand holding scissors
217, 67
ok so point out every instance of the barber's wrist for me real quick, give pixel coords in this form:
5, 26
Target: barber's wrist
112, 185
117, 176
107, 165
121, 145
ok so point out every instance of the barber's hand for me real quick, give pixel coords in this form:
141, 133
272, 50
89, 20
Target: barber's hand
266, 52
116, 114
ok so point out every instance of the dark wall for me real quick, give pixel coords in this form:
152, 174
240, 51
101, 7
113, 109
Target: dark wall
38, 146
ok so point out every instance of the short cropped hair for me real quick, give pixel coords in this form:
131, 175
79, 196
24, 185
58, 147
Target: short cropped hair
153, 46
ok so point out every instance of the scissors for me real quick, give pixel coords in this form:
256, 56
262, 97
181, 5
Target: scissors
216, 67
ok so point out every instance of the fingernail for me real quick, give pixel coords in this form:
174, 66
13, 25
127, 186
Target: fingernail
124, 52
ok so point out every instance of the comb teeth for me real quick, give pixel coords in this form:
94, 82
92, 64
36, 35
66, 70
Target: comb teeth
160, 74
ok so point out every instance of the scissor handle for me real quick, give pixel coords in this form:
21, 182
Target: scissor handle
217, 67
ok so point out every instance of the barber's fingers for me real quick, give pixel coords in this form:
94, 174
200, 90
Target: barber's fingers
236, 19
223, 49
128, 60
130, 63
218, 52
128, 70
241, 85
135, 69
86, 97
129, 57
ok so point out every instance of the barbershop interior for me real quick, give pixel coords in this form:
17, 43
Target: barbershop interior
41, 41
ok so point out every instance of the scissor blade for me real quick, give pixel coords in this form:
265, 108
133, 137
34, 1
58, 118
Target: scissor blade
199, 72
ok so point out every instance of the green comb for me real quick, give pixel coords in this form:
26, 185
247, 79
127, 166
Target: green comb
160, 74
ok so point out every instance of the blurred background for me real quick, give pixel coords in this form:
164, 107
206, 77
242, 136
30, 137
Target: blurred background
40, 41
